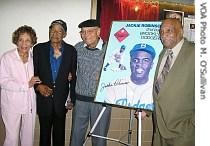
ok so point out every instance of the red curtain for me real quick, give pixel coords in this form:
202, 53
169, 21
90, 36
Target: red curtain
126, 10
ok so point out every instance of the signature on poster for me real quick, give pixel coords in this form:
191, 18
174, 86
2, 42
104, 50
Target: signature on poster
110, 84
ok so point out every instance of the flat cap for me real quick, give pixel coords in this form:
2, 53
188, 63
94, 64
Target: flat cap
61, 23
89, 23
143, 47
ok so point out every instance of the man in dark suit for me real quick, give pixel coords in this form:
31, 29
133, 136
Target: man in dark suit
174, 98
53, 62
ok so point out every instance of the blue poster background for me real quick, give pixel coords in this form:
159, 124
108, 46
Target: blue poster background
126, 34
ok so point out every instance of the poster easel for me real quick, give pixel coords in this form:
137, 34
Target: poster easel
90, 133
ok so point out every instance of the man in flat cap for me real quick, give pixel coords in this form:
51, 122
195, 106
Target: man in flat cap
53, 61
135, 90
90, 54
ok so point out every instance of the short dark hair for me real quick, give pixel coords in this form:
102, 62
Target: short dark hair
61, 23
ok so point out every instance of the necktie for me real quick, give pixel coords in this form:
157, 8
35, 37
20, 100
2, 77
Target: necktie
164, 72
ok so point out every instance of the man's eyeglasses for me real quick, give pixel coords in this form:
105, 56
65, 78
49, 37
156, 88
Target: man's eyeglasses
88, 31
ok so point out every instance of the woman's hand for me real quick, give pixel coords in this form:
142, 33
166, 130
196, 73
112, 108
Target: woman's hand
34, 80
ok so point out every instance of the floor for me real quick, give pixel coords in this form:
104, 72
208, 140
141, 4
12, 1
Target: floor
119, 129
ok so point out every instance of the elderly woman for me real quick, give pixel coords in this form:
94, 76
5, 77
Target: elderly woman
18, 102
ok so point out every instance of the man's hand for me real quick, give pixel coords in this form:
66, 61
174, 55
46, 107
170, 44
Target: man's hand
69, 105
44, 90
143, 114
70, 76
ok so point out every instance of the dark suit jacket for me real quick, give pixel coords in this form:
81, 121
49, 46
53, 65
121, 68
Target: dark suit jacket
175, 104
42, 69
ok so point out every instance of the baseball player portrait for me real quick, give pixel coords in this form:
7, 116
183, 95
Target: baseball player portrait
136, 89
116, 60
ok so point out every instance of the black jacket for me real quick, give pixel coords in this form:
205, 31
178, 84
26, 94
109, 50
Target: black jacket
42, 69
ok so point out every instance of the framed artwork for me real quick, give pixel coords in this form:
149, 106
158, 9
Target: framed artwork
174, 14
189, 28
127, 75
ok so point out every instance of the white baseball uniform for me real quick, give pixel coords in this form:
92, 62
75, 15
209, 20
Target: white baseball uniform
124, 92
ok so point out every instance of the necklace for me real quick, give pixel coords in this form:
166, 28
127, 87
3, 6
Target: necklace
24, 57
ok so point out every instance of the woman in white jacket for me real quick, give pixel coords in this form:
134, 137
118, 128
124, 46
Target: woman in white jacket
18, 100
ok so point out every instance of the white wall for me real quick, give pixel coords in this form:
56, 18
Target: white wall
39, 14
